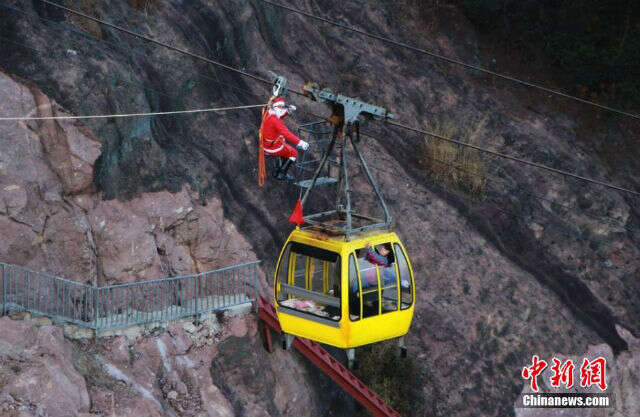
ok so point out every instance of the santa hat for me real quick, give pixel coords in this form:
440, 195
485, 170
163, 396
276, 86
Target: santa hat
278, 102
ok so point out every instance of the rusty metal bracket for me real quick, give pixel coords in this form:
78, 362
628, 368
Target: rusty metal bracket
352, 108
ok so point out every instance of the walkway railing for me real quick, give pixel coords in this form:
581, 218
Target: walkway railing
109, 307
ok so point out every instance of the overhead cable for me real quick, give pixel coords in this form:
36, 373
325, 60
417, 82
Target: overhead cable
106, 116
488, 151
514, 158
157, 42
453, 60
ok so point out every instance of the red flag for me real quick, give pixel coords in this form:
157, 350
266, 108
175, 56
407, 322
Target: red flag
297, 217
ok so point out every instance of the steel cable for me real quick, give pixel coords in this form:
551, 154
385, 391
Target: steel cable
105, 116
495, 153
157, 42
513, 158
453, 61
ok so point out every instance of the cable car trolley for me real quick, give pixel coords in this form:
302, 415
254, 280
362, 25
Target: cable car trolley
344, 278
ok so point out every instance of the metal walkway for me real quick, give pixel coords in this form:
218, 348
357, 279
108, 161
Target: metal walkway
113, 306
327, 364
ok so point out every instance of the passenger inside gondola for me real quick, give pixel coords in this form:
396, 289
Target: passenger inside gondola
382, 256
379, 256
373, 262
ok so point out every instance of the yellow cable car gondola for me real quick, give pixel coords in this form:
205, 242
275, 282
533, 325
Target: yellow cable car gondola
328, 291
345, 279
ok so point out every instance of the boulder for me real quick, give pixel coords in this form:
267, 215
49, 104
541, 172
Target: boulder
43, 375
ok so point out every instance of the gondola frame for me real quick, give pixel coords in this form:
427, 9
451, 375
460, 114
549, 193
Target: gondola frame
345, 333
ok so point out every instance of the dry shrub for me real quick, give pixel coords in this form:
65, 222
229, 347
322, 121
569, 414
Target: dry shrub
455, 166
398, 381
142, 4
88, 7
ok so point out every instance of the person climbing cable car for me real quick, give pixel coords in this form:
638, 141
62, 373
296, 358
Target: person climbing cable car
277, 139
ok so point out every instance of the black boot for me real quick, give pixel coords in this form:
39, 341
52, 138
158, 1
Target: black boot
282, 172
278, 169
279, 165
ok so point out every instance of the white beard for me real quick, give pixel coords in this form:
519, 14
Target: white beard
280, 112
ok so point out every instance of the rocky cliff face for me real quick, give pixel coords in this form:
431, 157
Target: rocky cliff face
55, 219
498, 279
217, 368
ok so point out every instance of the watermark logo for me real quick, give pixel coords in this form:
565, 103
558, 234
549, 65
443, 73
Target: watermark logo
560, 376
563, 400
532, 372
592, 373
562, 373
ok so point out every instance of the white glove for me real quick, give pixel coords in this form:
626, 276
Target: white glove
303, 145
291, 108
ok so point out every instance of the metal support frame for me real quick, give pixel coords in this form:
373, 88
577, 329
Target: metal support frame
345, 179
267, 337
344, 201
327, 152
387, 216
279, 86
351, 358
346, 114
287, 340
402, 346
353, 107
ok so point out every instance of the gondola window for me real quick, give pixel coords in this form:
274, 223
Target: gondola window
370, 297
405, 278
309, 281
354, 291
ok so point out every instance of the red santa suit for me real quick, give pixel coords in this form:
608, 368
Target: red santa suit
275, 134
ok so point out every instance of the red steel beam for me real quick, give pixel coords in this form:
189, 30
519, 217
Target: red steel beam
268, 314
330, 366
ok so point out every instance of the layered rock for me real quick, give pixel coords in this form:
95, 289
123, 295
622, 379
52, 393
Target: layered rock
55, 220
214, 369
37, 372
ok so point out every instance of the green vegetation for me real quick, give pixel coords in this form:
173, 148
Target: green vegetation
596, 42
89, 5
398, 381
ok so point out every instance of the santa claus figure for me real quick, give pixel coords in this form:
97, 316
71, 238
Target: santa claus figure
277, 140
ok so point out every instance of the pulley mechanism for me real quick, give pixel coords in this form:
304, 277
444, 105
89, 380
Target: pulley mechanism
346, 108
279, 88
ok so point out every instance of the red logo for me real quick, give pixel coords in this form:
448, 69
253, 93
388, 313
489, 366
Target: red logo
533, 371
593, 373
562, 374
